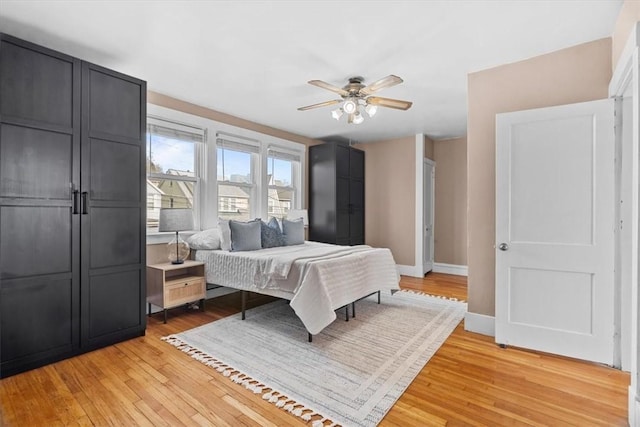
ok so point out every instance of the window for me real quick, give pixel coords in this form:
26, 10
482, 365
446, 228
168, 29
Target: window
240, 174
173, 153
283, 172
236, 170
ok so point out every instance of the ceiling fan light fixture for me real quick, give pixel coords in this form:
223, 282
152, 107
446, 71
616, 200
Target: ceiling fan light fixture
350, 106
371, 109
356, 98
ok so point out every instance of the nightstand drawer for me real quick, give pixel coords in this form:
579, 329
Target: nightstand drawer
182, 292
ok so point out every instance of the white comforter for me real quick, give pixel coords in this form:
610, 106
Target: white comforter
318, 278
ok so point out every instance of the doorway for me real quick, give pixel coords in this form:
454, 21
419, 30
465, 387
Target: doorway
428, 215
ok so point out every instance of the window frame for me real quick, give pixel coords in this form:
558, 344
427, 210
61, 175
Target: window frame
178, 128
225, 141
206, 214
168, 120
296, 159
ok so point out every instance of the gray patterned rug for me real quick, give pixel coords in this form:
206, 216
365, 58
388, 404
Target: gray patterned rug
351, 374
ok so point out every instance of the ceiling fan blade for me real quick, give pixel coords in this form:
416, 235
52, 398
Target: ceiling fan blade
398, 104
384, 82
332, 88
320, 104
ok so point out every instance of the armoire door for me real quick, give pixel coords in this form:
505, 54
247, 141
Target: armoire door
343, 207
39, 224
356, 197
112, 206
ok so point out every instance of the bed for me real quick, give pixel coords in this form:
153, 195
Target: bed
316, 278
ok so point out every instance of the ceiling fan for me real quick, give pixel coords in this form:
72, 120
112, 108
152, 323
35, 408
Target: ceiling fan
355, 95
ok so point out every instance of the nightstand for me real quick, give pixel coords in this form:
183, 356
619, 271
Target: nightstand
170, 285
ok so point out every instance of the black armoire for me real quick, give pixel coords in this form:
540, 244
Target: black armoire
336, 194
72, 206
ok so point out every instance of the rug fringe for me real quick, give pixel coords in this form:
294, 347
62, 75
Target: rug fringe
272, 396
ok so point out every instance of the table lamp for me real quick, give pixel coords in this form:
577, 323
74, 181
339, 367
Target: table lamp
176, 220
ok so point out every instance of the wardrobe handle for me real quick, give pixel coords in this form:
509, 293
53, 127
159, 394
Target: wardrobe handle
84, 203
76, 193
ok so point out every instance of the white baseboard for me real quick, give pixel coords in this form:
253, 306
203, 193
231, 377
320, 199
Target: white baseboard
458, 270
480, 323
634, 408
410, 270
438, 267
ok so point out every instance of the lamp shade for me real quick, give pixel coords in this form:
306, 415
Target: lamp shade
297, 214
175, 220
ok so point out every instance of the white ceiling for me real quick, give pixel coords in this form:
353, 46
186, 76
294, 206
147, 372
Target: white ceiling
252, 59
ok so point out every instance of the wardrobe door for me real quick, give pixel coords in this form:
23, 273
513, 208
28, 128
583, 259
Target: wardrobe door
39, 224
112, 206
322, 195
356, 197
342, 203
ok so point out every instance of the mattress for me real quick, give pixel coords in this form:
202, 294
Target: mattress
317, 278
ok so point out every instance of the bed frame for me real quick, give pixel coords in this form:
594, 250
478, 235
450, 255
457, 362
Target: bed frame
346, 306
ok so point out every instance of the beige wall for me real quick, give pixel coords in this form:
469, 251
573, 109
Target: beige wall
390, 188
428, 148
450, 227
629, 15
579, 73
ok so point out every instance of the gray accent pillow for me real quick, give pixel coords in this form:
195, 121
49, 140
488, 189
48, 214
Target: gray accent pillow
206, 239
245, 236
271, 235
275, 223
293, 231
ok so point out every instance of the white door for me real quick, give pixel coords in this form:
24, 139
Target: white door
555, 226
428, 212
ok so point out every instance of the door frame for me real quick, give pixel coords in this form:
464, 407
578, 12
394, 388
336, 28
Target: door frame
626, 75
416, 270
418, 267
427, 265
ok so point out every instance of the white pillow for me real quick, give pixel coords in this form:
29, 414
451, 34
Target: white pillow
206, 239
225, 234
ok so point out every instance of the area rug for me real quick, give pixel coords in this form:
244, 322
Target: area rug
351, 374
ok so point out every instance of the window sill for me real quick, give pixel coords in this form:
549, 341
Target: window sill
159, 238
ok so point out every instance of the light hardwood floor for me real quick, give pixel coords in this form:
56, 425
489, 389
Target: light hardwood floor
469, 381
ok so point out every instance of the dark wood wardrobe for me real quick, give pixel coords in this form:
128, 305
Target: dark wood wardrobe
72, 206
336, 194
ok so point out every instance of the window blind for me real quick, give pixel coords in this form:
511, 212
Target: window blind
280, 154
227, 144
197, 135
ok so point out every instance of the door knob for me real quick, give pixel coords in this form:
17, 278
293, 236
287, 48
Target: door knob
503, 247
